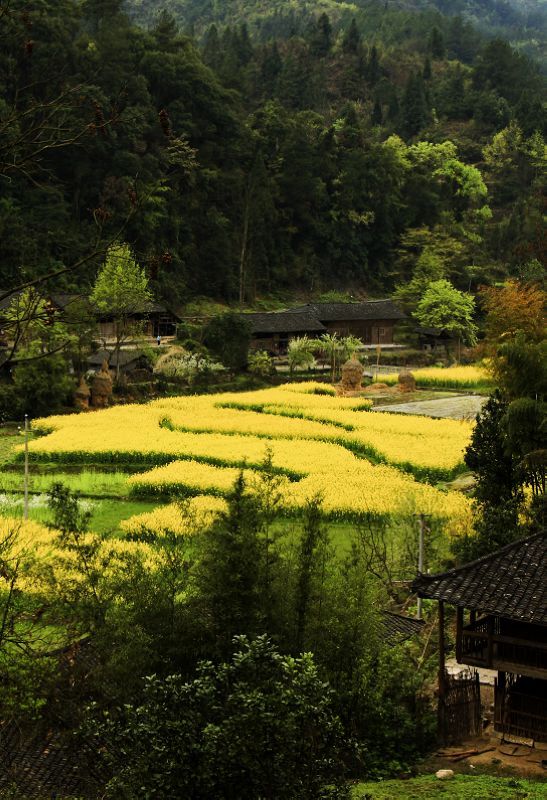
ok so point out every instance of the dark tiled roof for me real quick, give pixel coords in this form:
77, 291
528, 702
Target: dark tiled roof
398, 628
125, 357
338, 312
62, 300
437, 332
284, 322
511, 582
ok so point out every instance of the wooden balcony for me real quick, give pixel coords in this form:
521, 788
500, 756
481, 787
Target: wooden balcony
506, 646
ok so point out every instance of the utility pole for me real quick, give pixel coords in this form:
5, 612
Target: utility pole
25, 507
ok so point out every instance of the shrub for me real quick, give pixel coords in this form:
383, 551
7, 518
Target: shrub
261, 725
261, 364
40, 387
228, 337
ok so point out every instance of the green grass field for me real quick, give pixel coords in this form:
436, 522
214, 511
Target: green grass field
461, 787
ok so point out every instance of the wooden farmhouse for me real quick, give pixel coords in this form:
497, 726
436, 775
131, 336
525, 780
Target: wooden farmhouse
372, 321
501, 624
155, 319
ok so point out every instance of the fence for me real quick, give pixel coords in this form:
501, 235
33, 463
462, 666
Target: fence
459, 709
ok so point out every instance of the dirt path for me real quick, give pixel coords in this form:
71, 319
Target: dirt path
465, 406
501, 757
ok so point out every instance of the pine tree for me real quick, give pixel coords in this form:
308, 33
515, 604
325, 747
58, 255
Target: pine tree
212, 48
230, 570
270, 69
376, 117
165, 31
321, 40
436, 44
351, 42
414, 111
374, 71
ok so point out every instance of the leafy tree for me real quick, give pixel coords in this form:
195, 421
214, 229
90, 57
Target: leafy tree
259, 725
520, 367
40, 386
121, 291
429, 267
228, 336
512, 308
261, 364
446, 308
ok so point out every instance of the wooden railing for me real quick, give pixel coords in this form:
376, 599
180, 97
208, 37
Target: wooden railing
481, 644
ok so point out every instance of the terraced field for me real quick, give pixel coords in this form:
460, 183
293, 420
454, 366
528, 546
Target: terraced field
358, 463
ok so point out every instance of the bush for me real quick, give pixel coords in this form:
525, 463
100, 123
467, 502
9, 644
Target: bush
261, 725
39, 388
228, 337
261, 364
190, 367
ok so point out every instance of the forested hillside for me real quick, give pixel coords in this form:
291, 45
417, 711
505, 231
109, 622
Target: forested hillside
523, 22
313, 157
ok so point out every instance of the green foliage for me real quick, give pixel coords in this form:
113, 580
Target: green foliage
445, 308
260, 364
40, 387
121, 287
498, 490
228, 336
462, 787
259, 724
520, 367
262, 162
231, 570
300, 353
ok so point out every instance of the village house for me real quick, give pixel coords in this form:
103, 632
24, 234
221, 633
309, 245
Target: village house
501, 624
372, 321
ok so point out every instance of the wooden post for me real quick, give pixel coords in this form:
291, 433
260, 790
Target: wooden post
441, 648
472, 616
25, 506
420, 562
490, 651
459, 633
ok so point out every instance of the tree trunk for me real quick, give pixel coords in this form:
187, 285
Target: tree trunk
243, 253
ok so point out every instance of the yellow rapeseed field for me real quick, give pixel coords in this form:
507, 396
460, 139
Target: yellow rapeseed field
36, 545
181, 519
170, 428
323, 444
463, 377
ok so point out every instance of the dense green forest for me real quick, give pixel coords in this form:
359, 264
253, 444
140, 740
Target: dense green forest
520, 21
345, 150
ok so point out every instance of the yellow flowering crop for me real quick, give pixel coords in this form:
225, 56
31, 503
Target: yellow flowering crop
181, 519
464, 377
319, 442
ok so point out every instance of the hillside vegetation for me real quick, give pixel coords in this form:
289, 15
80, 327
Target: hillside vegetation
340, 154
522, 22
